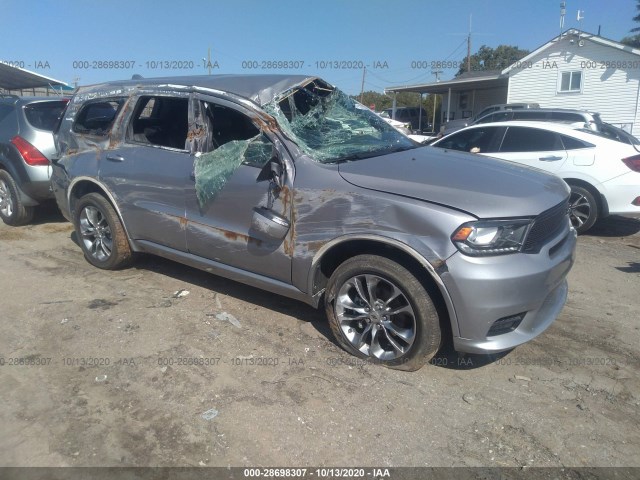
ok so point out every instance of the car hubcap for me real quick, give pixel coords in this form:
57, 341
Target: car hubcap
376, 317
95, 232
580, 209
6, 205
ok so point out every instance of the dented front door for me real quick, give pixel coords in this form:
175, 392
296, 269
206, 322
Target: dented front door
225, 191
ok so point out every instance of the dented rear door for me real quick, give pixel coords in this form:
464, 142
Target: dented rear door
148, 171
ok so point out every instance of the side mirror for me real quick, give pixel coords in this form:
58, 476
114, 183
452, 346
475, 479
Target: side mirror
268, 226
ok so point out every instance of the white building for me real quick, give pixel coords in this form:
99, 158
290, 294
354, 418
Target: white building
577, 70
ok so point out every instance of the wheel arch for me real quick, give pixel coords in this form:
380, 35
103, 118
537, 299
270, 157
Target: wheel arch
334, 253
603, 206
81, 186
19, 175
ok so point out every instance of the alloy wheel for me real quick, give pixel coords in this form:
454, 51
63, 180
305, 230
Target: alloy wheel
6, 204
96, 233
375, 316
579, 209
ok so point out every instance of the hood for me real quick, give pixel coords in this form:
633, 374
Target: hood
482, 186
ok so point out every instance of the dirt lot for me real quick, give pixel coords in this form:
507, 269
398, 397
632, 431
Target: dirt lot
110, 368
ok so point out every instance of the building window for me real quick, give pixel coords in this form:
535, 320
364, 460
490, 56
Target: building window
570, 81
463, 101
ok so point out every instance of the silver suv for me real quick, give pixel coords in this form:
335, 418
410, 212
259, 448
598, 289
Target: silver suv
287, 184
455, 125
26, 146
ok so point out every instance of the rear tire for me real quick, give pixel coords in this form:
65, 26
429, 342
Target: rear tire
12, 211
584, 210
379, 311
100, 233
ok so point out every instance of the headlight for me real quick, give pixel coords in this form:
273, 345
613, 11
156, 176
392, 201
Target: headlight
491, 237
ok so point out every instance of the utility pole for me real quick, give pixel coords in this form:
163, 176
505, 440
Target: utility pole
563, 12
364, 72
468, 47
75, 82
209, 60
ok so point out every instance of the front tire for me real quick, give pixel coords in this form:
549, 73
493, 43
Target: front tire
12, 210
380, 311
100, 233
583, 207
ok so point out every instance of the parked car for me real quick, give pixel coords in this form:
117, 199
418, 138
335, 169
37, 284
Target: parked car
416, 116
284, 183
604, 174
455, 125
580, 119
26, 146
576, 118
617, 133
405, 129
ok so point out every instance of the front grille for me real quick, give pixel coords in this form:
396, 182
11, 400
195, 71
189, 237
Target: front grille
546, 226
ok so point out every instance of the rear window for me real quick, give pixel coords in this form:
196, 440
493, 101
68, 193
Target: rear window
44, 115
568, 117
571, 143
530, 115
96, 118
496, 117
4, 111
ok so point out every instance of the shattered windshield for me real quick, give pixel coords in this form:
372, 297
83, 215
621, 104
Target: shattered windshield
329, 126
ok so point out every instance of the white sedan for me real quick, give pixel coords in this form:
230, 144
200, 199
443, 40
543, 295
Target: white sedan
604, 174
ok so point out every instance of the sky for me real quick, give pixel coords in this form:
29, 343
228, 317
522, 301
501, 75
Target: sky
90, 41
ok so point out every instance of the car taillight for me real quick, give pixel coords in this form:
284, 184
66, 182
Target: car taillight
633, 162
30, 154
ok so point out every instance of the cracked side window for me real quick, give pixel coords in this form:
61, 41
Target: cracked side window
96, 117
233, 140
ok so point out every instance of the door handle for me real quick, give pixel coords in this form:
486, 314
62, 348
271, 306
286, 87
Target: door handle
115, 158
550, 158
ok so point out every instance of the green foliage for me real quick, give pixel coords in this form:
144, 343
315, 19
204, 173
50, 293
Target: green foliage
403, 99
632, 41
635, 19
487, 58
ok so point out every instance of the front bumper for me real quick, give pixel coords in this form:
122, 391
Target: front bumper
486, 289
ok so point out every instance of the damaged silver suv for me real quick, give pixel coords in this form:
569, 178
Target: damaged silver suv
285, 183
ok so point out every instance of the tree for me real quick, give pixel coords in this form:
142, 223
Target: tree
403, 99
487, 58
637, 17
634, 40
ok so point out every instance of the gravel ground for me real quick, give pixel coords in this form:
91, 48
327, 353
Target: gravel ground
117, 369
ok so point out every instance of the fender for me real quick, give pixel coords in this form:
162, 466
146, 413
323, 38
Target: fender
394, 243
109, 195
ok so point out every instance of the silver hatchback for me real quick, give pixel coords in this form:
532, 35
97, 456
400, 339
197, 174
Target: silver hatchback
285, 183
